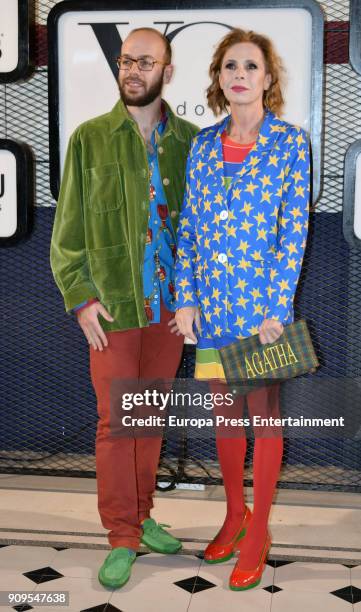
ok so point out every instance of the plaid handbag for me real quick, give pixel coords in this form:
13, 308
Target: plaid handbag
250, 364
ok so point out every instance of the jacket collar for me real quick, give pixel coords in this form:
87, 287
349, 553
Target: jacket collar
265, 142
120, 118
267, 135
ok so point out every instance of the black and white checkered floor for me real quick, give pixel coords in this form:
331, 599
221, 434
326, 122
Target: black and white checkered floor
181, 582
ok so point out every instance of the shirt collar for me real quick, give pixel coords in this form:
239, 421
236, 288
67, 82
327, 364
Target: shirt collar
120, 118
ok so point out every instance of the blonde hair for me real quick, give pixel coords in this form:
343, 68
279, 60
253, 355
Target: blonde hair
272, 98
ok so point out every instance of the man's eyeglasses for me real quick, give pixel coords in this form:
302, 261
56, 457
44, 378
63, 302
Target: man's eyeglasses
143, 63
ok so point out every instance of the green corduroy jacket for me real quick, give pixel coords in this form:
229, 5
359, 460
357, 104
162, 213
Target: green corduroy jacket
98, 241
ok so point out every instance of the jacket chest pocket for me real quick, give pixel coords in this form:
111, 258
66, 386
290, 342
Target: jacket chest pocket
104, 188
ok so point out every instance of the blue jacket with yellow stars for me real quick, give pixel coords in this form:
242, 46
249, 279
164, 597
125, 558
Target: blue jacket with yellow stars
240, 252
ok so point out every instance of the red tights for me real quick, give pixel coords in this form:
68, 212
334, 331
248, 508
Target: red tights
267, 457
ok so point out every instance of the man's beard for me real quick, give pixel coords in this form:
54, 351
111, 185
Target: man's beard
142, 99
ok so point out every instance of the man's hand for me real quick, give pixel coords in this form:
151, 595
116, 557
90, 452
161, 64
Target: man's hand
185, 317
270, 330
88, 321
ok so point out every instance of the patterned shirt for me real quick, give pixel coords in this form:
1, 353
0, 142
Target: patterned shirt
160, 247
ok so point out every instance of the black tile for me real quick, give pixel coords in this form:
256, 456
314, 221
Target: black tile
195, 584
43, 574
350, 593
200, 555
4, 545
278, 563
350, 566
22, 608
272, 588
105, 607
141, 554
59, 548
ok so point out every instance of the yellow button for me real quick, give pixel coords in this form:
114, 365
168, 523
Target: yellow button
166, 181
160, 150
173, 213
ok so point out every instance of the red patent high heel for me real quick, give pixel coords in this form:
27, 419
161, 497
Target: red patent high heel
218, 553
242, 579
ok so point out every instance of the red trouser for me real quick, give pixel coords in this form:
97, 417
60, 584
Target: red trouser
126, 467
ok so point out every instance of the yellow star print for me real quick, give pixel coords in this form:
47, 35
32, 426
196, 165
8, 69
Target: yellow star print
246, 226
184, 283
266, 196
250, 188
188, 296
291, 264
260, 218
241, 284
216, 293
218, 331
265, 180
247, 207
240, 321
242, 301
261, 235
217, 236
243, 246
255, 293
283, 285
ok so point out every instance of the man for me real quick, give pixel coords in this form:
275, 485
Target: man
112, 255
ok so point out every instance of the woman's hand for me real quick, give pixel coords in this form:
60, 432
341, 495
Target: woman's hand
270, 330
185, 317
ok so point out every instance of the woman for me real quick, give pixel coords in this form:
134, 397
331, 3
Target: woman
241, 241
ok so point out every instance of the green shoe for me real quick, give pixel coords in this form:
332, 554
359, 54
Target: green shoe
117, 567
157, 539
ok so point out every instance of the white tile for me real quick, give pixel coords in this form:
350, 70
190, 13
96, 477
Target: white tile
312, 577
78, 562
150, 595
222, 598
286, 601
84, 593
14, 580
25, 558
165, 568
